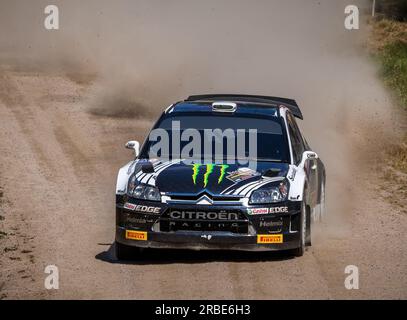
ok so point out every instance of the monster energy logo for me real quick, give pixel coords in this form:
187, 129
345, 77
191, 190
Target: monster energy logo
209, 169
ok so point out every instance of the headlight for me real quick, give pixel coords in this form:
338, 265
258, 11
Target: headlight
270, 195
142, 191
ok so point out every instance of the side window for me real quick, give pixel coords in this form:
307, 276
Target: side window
297, 129
296, 139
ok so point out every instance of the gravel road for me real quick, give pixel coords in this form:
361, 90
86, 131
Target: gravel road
59, 160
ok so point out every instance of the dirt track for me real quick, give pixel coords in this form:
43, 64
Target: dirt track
59, 163
58, 172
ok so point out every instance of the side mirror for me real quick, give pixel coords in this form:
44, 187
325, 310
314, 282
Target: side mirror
135, 145
307, 155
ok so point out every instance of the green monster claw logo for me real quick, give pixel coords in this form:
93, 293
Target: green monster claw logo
195, 168
209, 169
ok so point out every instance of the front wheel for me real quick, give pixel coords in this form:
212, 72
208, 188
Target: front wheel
303, 232
124, 252
322, 208
318, 212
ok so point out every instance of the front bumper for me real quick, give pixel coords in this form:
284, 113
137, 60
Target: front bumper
146, 228
206, 241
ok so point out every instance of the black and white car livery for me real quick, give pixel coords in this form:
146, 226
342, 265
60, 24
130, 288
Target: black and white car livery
163, 202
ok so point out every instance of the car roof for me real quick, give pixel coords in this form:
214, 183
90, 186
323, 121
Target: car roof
204, 107
252, 101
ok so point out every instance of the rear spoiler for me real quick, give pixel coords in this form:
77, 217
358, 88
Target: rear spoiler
289, 103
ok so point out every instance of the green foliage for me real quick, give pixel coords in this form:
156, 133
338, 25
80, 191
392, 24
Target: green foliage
393, 60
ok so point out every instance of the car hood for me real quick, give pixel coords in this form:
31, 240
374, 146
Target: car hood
176, 177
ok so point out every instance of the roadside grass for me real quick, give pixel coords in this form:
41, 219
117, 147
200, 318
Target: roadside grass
386, 31
393, 61
2, 233
398, 154
394, 175
388, 45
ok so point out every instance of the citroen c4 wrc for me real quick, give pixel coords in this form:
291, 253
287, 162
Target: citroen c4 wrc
162, 201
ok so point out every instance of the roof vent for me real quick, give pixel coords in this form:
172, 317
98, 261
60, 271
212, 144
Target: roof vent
224, 106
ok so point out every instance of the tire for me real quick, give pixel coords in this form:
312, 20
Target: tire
315, 214
124, 252
322, 208
308, 223
298, 252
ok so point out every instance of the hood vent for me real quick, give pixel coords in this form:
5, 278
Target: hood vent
224, 106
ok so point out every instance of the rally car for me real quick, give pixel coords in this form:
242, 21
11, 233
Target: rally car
262, 195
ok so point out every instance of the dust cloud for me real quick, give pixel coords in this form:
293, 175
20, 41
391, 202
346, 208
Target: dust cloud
148, 54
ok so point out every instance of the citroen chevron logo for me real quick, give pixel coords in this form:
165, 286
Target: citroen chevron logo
196, 168
204, 200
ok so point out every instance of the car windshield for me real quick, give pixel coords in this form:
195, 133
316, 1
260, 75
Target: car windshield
224, 136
